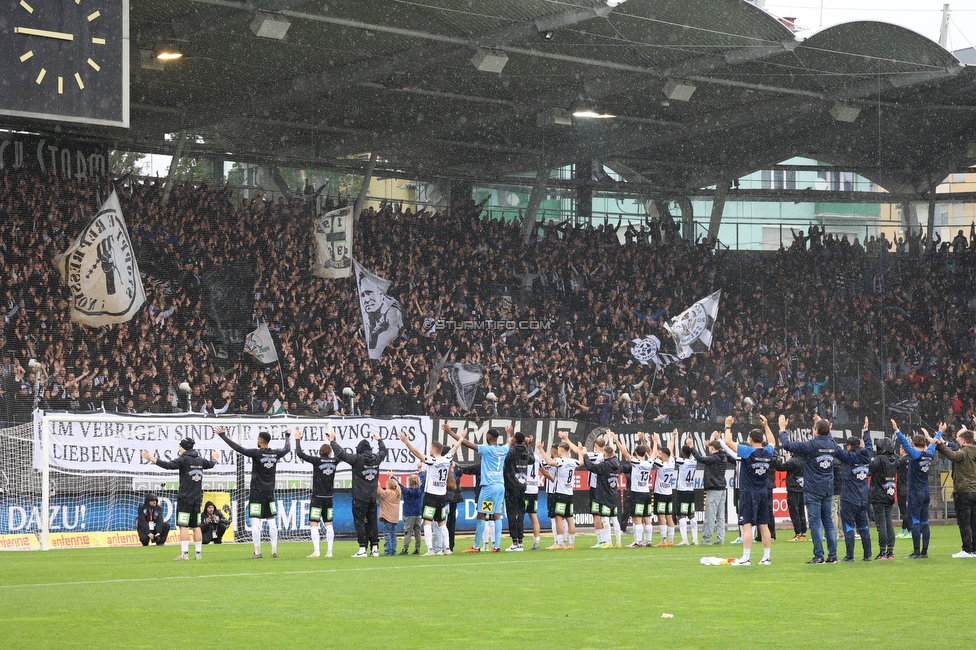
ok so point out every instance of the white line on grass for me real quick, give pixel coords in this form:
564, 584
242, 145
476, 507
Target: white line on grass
464, 565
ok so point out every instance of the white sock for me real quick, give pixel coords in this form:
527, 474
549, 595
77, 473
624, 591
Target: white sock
566, 527
638, 533
648, 533
315, 537
746, 554
428, 536
558, 540
273, 534
670, 533
694, 529
766, 553
256, 525
445, 536
184, 547
683, 527
664, 533
199, 547
329, 537
617, 530
572, 540
490, 532
536, 540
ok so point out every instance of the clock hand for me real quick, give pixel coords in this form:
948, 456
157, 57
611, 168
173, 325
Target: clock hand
43, 32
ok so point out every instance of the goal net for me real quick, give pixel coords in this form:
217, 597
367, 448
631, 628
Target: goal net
77, 481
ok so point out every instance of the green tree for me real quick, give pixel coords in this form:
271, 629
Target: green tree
125, 162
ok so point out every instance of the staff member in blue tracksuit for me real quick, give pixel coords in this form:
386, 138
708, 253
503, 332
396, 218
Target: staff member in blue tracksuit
855, 467
818, 483
920, 457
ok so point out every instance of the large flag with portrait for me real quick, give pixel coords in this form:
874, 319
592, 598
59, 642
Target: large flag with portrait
692, 328
382, 315
260, 345
101, 272
333, 244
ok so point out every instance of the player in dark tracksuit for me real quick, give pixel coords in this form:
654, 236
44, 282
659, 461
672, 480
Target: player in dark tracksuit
920, 460
883, 470
189, 500
514, 474
261, 496
365, 479
818, 484
605, 496
794, 494
323, 482
855, 459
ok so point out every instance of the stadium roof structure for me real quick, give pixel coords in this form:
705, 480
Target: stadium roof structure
702, 91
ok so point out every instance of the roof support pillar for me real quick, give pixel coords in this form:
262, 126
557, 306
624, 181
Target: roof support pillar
930, 227
168, 186
687, 218
583, 174
718, 208
364, 189
535, 201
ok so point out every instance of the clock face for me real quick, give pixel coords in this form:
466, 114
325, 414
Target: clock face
65, 60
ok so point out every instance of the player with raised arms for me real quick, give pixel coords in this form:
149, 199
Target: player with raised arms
320, 505
753, 506
437, 466
565, 469
261, 496
492, 484
639, 468
189, 500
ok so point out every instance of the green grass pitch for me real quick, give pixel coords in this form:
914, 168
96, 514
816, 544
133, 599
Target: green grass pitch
141, 598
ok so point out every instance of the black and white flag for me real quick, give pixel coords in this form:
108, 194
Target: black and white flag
101, 272
648, 350
905, 407
333, 244
692, 328
260, 345
465, 378
382, 315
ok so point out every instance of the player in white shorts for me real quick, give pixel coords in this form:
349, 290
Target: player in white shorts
664, 489
639, 469
563, 496
437, 466
684, 501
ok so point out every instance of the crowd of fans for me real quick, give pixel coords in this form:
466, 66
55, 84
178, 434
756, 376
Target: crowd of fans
819, 327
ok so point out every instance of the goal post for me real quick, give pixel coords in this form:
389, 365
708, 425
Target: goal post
77, 480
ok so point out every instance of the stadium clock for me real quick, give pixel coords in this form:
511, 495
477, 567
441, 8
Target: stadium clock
65, 60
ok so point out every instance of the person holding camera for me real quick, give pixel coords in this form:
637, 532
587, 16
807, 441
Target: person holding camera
149, 522
213, 524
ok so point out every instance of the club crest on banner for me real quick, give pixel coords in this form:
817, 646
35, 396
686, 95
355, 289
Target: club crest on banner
333, 244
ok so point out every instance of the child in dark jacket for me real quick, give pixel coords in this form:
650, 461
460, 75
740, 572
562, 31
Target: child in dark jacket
413, 501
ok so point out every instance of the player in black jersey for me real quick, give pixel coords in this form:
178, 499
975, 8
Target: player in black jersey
320, 507
189, 500
264, 462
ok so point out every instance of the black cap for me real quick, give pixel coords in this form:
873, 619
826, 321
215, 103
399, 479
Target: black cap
187, 444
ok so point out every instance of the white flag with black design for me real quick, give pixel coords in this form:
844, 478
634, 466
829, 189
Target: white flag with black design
465, 378
260, 345
648, 350
692, 328
333, 244
101, 272
382, 315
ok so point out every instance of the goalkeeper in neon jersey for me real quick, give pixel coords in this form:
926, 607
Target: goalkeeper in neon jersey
492, 495
189, 500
